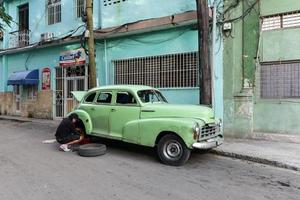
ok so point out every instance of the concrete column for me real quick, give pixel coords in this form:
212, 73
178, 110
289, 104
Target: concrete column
4, 74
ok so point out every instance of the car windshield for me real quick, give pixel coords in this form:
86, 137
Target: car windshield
151, 96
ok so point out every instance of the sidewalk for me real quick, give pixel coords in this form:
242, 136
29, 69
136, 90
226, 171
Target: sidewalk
48, 122
270, 152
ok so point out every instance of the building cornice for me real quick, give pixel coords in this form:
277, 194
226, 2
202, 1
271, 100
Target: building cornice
143, 26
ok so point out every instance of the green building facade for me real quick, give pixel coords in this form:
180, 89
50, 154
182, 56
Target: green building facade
262, 67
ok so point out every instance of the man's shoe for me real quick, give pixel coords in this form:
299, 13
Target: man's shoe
64, 147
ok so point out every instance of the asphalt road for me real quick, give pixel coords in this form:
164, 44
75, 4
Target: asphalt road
32, 170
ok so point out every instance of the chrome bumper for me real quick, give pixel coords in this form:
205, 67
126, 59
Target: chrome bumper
209, 143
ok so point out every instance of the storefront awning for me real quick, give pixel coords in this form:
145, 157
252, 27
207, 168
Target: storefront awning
24, 78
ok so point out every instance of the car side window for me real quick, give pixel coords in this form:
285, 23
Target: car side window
90, 98
104, 97
125, 98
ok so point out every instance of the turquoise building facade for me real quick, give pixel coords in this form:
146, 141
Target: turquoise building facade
158, 34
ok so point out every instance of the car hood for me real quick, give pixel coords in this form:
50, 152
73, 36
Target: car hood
203, 113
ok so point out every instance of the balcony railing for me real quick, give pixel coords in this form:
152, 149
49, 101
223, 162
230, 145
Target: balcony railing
19, 39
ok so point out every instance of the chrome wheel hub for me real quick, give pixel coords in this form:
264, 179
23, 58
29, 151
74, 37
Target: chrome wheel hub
172, 150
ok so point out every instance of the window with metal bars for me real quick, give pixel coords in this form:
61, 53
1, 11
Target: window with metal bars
78, 8
279, 81
53, 11
164, 71
112, 2
283, 20
32, 91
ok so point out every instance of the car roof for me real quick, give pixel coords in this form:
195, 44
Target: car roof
133, 88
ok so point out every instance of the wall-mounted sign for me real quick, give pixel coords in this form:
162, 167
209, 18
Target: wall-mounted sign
72, 57
46, 79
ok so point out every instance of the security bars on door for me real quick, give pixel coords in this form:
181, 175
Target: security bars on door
68, 79
165, 71
59, 92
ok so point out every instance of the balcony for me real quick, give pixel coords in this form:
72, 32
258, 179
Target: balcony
19, 39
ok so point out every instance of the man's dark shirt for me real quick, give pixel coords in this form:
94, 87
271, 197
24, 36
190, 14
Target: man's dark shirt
65, 129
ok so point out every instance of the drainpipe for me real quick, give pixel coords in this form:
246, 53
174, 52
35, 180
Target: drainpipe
243, 49
105, 62
213, 56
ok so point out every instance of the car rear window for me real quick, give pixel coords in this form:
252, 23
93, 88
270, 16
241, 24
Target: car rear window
125, 98
104, 97
90, 98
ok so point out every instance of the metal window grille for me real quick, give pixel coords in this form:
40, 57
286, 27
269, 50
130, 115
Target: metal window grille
112, 2
165, 71
32, 92
53, 11
79, 8
271, 23
19, 38
291, 20
279, 81
284, 20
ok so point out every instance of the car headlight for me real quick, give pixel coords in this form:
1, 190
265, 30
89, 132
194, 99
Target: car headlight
196, 131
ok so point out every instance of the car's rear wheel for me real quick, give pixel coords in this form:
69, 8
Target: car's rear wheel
172, 150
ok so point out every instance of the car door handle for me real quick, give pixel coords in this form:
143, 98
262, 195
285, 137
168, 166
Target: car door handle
92, 109
113, 110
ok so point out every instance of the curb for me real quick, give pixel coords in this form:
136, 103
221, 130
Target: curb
255, 159
15, 119
49, 123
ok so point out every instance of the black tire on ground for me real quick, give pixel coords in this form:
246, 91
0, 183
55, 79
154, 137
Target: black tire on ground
74, 147
172, 150
92, 150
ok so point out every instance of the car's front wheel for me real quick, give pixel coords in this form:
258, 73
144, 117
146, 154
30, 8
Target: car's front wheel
172, 150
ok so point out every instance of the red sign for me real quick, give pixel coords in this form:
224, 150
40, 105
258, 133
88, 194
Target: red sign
46, 79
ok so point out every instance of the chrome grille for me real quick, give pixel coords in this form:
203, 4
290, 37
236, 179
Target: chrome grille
209, 130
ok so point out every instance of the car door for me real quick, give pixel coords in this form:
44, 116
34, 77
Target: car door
98, 109
101, 112
87, 103
124, 116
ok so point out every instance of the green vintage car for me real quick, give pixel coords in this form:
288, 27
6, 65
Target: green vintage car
142, 115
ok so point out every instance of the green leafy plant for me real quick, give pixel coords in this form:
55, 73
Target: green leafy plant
5, 19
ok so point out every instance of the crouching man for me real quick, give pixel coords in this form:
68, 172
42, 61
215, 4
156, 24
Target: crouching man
67, 134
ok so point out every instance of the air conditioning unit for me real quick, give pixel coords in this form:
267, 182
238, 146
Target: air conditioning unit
46, 37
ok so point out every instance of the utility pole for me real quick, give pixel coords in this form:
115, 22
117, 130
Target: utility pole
204, 67
91, 43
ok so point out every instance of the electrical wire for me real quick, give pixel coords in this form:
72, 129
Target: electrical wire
117, 29
162, 40
242, 16
35, 45
137, 39
70, 33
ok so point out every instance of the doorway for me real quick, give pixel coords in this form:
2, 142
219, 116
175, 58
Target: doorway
68, 79
17, 99
23, 36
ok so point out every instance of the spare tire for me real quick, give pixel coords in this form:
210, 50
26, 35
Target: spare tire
91, 150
